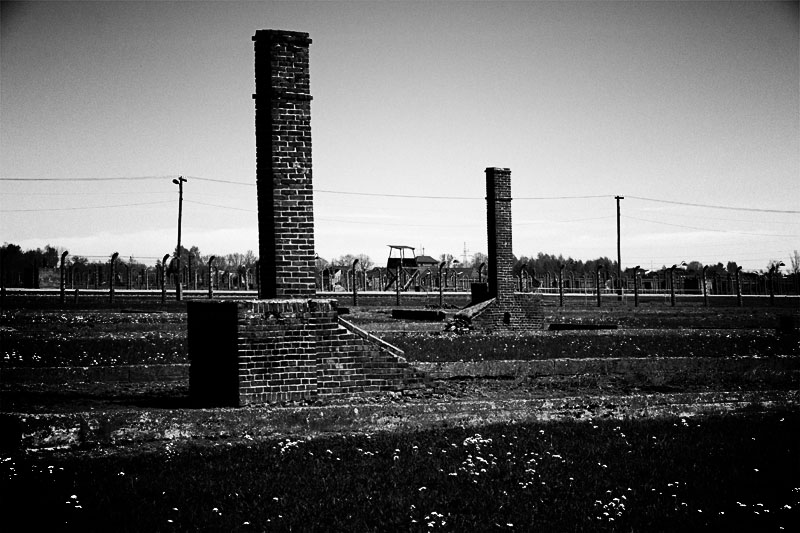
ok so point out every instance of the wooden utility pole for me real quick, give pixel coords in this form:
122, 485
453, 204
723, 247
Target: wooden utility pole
619, 254
179, 181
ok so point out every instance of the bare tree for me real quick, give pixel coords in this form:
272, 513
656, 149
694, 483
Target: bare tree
794, 259
773, 263
446, 258
478, 258
364, 261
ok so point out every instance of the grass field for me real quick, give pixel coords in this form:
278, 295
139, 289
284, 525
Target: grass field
731, 473
735, 472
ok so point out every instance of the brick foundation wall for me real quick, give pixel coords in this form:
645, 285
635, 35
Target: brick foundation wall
283, 164
285, 350
521, 312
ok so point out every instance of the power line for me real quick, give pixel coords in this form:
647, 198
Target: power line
216, 180
80, 208
427, 197
221, 206
760, 221
716, 206
382, 195
560, 197
110, 193
710, 229
329, 219
402, 224
527, 222
389, 195
123, 178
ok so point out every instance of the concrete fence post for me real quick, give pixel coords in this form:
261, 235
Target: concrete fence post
705, 289
773, 273
113, 276
355, 284
441, 295
63, 285
738, 286
672, 285
561, 285
189, 281
597, 283
211, 279
2, 278
164, 278
397, 282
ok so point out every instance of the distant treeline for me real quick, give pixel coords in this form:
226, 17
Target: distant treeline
22, 268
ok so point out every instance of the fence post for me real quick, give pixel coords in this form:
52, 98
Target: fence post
561, 285
189, 276
705, 289
210, 278
772, 273
441, 296
738, 287
355, 284
164, 278
3, 278
113, 276
397, 282
597, 284
63, 280
672, 285
636, 286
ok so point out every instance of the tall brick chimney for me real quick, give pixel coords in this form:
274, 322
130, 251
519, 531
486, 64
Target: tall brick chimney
283, 165
498, 210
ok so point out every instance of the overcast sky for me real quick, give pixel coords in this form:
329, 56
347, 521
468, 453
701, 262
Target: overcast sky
689, 102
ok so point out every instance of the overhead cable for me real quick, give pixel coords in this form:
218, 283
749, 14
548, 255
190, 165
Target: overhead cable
709, 229
122, 178
757, 210
82, 207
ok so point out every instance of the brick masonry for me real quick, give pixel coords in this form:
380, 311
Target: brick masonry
286, 345
283, 164
498, 225
506, 310
252, 352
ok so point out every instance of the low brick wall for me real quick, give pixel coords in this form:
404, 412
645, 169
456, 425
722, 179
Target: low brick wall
520, 312
260, 351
